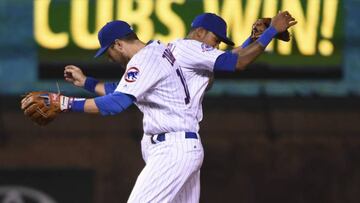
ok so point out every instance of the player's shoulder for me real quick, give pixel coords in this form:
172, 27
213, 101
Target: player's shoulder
186, 42
152, 48
151, 52
191, 45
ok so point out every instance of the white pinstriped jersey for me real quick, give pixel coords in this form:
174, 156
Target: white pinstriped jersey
155, 80
197, 62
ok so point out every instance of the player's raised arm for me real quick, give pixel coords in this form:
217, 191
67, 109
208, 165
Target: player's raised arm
280, 23
75, 75
208, 30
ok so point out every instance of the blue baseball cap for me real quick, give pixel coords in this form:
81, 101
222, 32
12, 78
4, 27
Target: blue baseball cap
110, 32
213, 23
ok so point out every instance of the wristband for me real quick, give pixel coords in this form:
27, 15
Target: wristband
90, 84
65, 102
247, 42
267, 36
77, 104
110, 87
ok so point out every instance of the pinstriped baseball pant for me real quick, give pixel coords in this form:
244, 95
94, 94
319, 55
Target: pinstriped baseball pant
172, 170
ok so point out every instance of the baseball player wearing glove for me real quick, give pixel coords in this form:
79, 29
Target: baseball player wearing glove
154, 82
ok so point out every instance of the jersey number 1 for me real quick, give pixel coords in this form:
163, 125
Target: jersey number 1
183, 82
170, 57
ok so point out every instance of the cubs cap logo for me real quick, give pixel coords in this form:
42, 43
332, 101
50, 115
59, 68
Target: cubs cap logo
206, 47
131, 74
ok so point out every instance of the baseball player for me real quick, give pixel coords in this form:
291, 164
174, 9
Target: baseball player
171, 145
199, 57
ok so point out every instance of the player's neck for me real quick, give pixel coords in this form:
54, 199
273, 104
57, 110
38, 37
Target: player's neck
135, 47
191, 35
197, 34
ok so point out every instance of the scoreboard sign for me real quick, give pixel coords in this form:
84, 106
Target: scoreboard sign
66, 31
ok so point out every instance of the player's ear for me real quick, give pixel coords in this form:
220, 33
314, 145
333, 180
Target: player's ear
119, 44
200, 32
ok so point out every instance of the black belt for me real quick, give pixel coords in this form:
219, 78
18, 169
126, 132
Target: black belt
161, 137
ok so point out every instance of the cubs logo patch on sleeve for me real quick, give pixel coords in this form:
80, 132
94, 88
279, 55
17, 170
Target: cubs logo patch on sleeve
206, 47
131, 74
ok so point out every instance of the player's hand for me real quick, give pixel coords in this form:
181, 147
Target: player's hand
74, 75
282, 21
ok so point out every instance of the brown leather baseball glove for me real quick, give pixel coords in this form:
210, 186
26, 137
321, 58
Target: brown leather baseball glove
41, 107
261, 25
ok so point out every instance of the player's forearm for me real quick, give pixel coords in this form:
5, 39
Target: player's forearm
95, 86
245, 44
100, 89
90, 106
250, 53
109, 104
247, 55
78, 105
237, 50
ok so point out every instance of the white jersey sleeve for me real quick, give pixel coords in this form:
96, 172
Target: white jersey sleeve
139, 75
194, 54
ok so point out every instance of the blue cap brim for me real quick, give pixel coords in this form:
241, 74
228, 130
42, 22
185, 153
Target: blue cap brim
101, 51
226, 40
